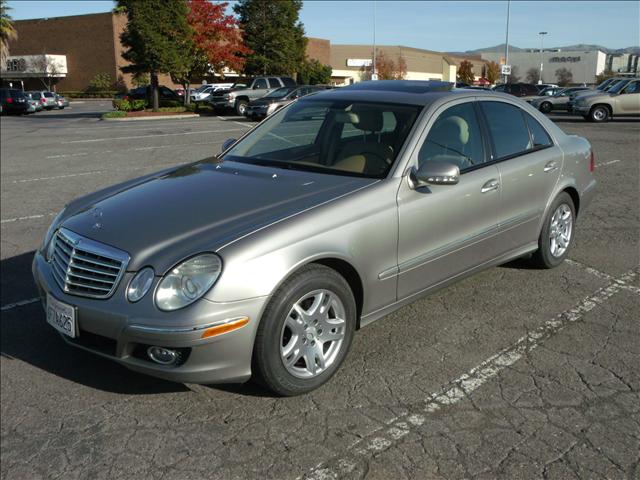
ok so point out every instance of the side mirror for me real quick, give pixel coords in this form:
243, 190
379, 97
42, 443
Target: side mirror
434, 174
227, 143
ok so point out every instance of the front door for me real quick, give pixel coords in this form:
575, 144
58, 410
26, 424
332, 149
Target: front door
444, 230
629, 99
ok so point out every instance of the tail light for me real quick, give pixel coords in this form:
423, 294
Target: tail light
43, 100
592, 162
9, 100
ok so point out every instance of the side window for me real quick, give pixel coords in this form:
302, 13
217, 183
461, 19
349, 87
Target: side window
508, 130
539, 135
274, 83
260, 84
633, 87
455, 138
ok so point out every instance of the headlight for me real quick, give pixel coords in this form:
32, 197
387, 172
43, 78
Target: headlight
188, 281
140, 284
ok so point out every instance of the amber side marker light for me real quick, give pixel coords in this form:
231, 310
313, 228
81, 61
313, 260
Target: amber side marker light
225, 327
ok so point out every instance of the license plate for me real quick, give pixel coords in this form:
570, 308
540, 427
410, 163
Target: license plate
61, 316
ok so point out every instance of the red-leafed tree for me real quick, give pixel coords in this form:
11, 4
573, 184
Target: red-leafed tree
215, 43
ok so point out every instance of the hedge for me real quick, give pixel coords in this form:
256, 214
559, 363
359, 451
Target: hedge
81, 94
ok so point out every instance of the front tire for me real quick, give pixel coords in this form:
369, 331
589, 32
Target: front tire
556, 237
599, 114
241, 107
305, 332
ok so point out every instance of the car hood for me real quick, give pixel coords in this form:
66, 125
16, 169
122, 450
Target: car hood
165, 218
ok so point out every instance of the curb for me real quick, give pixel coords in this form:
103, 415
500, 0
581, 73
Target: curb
158, 117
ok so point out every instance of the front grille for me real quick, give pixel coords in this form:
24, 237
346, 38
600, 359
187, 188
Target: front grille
84, 267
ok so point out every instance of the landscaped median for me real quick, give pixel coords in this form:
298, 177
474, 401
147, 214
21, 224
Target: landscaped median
161, 114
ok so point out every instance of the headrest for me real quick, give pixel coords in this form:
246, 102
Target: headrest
369, 119
454, 128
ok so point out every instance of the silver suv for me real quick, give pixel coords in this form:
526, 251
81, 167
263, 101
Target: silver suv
335, 211
238, 98
623, 99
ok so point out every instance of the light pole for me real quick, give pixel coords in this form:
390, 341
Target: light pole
506, 43
374, 74
542, 34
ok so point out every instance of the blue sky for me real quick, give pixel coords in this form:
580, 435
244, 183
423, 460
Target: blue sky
442, 26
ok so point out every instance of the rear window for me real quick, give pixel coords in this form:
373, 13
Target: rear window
539, 135
507, 127
48, 94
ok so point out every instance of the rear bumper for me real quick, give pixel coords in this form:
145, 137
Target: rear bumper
121, 331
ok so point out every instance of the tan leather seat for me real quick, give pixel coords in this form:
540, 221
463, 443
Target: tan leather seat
366, 155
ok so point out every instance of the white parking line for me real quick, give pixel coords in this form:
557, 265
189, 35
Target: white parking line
29, 217
108, 139
604, 164
58, 176
21, 303
464, 385
101, 152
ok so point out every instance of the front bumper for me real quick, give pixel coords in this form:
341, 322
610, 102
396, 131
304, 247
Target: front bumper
222, 102
121, 331
259, 111
581, 109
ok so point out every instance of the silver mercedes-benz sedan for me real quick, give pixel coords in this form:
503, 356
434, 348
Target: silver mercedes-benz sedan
337, 210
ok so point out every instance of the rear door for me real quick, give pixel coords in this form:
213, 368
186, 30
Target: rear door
444, 230
529, 164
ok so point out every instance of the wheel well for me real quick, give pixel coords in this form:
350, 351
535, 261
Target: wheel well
352, 277
607, 106
573, 193
246, 99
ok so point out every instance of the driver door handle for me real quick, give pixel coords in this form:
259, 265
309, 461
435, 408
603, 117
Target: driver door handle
551, 166
492, 184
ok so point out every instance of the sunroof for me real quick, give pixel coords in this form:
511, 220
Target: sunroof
408, 86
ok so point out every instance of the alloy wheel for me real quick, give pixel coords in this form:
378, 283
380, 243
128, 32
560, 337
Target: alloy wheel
313, 334
560, 230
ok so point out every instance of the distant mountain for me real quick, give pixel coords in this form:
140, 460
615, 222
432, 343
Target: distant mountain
580, 46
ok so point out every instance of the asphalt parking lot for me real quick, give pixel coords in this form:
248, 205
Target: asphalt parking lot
513, 373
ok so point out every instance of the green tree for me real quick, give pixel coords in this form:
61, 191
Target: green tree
7, 32
465, 72
156, 32
312, 72
101, 82
274, 33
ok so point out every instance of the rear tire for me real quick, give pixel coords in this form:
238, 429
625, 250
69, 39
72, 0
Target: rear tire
302, 338
546, 107
556, 237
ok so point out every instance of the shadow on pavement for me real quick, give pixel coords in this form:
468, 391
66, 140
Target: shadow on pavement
26, 336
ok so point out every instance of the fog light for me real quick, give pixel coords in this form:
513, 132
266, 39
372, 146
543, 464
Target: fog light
163, 356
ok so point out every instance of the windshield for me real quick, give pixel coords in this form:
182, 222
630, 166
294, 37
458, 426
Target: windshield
618, 86
279, 93
605, 84
339, 137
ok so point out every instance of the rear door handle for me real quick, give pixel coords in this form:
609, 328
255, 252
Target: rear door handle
551, 166
492, 184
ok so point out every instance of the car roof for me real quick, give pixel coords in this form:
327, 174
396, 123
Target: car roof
408, 92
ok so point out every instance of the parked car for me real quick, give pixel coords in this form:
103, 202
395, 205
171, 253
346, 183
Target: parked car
615, 84
259, 109
46, 98
13, 101
144, 93
180, 91
517, 89
237, 98
34, 105
203, 93
61, 101
543, 86
622, 100
338, 210
558, 101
